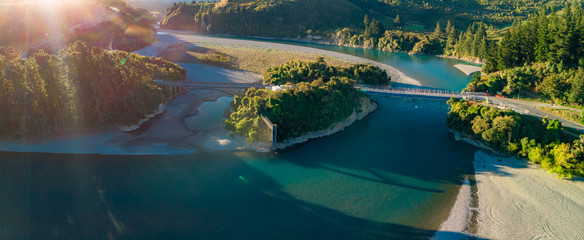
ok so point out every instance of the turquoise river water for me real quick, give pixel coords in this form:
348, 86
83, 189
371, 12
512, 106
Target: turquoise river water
393, 175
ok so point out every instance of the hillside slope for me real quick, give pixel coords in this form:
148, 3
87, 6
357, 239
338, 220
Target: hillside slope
280, 18
292, 18
53, 25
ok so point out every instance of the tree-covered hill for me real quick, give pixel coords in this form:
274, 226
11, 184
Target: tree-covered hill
543, 55
313, 101
79, 88
292, 18
53, 25
460, 28
277, 18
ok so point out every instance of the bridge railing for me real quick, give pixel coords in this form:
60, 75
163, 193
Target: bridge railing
420, 91
218, 84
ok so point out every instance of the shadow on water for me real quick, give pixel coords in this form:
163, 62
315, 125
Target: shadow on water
60, 196
379, 178
577, 179
401, 138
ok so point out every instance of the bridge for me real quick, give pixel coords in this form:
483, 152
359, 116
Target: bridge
420, 93
179, 87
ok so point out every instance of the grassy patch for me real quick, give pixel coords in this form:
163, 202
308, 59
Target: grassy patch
252, 59
258, 60
564, 113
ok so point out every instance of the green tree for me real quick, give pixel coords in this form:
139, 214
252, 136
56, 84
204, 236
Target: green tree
542, 46
450, 37
506, 125
367, 24
480, 125
397, 21
437, 31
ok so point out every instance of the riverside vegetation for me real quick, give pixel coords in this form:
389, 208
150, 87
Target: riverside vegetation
540, 58
317, 96
79, 88
542, 141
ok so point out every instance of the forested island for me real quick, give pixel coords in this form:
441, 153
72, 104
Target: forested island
315, 97
77, 89
542, 141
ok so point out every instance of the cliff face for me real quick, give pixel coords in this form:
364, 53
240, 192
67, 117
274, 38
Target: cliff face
367, 106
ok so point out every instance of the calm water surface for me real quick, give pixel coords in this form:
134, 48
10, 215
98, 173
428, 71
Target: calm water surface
394, 174
431, 71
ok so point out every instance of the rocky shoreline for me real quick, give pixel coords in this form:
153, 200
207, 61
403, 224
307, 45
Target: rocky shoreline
367, 106
460, 136
161, 109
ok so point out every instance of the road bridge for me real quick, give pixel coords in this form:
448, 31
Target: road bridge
524, 107
519, 106
227, 87
421, 93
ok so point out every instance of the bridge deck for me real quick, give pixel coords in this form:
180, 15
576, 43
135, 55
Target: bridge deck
227, 85
420, 93
403, 92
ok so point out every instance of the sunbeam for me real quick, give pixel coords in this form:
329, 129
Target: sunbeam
46, 23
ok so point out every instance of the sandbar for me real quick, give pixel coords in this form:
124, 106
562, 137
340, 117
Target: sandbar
520, 200
467, 69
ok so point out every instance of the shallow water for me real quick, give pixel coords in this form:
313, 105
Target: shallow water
431, 71
210, 115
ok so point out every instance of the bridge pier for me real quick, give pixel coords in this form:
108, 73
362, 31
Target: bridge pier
273, 128
178, 90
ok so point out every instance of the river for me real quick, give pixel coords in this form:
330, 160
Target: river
431, 71
394, 174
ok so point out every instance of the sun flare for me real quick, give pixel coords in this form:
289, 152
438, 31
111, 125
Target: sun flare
46, 22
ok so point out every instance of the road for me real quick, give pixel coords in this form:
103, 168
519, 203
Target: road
532, 108
168, 38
